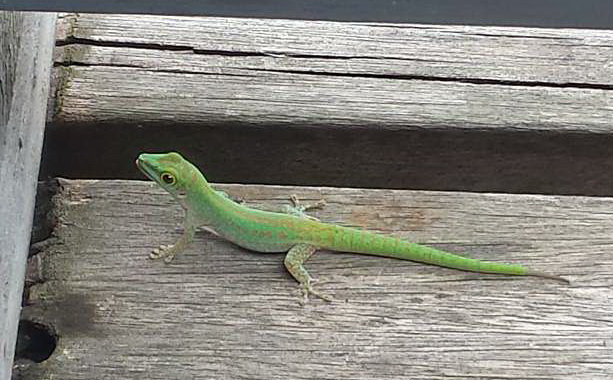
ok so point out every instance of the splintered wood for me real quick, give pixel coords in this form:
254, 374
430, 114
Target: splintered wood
220, 312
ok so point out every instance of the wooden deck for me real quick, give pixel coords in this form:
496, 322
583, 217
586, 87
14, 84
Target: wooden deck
220, 312
345, 108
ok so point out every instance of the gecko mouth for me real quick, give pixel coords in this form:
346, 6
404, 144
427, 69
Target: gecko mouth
146, 169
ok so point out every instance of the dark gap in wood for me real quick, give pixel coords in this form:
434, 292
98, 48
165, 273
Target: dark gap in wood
71, 40
44, 218
35, 341
456, 160
445, 79
69, 63
270, 53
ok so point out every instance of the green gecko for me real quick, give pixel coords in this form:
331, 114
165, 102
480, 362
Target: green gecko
295, 233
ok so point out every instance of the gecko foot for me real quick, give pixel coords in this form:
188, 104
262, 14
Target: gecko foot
307, 288
166, 252
297, 205
299, 210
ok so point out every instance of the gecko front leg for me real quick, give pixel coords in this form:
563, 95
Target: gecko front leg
168, 252
227, 196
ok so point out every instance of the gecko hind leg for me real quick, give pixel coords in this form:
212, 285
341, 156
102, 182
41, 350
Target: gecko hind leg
299, 210
294, 262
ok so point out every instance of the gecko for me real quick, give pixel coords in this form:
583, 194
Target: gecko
294, 232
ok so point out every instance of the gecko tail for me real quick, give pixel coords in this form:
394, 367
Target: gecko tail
546, 275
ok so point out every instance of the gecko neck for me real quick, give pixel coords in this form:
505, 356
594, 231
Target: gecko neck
208, 203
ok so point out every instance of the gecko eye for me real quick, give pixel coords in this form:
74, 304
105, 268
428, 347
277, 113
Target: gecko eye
168, 178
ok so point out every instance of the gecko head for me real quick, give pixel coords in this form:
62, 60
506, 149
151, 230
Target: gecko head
172, 172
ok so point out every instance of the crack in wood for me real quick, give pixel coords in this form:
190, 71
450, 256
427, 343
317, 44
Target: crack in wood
71, 63
71, 40
430, 78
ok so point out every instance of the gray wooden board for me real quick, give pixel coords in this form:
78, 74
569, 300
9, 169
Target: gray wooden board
26, 45
151, 69
220, 312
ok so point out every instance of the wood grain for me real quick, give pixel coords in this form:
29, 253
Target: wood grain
538, 55
221, 71
26, 45
224, 313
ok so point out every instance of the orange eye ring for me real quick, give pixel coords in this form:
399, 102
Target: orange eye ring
168, 178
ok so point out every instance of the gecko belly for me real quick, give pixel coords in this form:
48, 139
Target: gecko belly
250, 243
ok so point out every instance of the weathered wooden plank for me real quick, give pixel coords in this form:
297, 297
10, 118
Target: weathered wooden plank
217, 45
127, 95
263, 72
221, 312
26, 45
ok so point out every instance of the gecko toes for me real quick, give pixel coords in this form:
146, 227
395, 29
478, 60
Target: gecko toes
159, 252
307, 290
